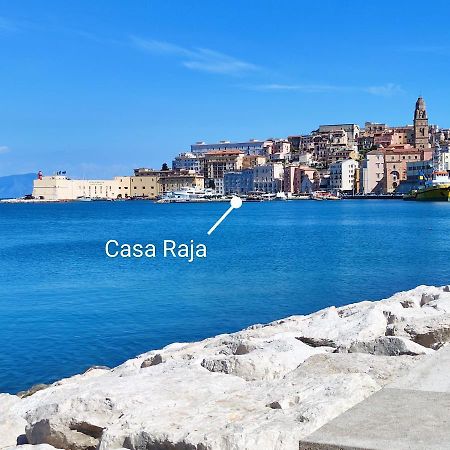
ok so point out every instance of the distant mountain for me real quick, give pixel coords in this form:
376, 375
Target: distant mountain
14, 186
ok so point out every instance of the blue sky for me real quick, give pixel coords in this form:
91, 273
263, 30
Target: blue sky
98, 88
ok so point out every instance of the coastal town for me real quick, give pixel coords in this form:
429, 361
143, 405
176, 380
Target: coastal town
332, 162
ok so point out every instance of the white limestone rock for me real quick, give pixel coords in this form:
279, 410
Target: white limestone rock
269, 360
430, 332
262, 388
389, 346
32, 447
12, 425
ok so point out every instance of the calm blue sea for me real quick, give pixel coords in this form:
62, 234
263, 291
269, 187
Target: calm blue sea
65, 306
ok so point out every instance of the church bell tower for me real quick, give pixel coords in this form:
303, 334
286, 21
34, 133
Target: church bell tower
420, 125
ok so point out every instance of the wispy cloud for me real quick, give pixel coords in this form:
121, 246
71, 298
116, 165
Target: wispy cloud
4, 149
94, 37
202, 59
307, 88
386, 90
7, 25
430, 49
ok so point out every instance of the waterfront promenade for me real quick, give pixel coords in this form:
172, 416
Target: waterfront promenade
412, 413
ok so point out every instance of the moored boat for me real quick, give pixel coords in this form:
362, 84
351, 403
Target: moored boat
325, 195
332, 197
255, 196
435, 190
300, 197
187, 194
281, 196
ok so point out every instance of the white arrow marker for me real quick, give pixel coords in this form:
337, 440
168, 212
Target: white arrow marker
235, 203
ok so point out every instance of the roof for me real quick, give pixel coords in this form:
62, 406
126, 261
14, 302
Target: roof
224, 152
401, 149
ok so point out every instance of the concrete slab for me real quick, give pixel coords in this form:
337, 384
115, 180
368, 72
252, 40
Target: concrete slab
431, 374
413, 413
391, 419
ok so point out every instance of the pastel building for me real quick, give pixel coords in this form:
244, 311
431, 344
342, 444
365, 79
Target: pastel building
371, 173
239, 182
251, 147
145, 183
442, 156
189, 161
218, 163
395, 160
299, 178
278, 149
61, 187
343, 175
175, 180
352, 130
250, 161
268, 178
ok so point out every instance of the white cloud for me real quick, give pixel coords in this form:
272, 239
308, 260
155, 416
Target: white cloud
202, 59
308, 88
386, 90
4, 149
158, 47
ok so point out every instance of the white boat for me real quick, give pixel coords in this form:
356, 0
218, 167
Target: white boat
281, 196
333, 197
187, 194
301, 197
325, 195
268, 196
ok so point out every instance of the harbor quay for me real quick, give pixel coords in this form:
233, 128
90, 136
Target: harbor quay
333, 162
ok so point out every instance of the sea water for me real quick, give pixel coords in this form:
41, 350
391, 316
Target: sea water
65, 305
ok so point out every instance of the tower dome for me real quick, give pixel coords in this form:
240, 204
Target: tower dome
420, 104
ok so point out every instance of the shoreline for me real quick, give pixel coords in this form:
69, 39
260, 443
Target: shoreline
225, 200
264, 387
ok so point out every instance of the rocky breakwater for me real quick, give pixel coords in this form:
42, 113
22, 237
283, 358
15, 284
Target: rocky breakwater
261, 388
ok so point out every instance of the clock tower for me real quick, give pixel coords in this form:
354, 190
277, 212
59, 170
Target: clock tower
420, 125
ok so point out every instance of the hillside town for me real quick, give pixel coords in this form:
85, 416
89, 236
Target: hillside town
343, 159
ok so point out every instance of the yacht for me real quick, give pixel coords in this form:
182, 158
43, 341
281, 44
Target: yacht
187, 194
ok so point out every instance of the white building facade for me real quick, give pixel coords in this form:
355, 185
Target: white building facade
189, 161
59, 188
371, 173
268, 178
251, 147
342, 175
